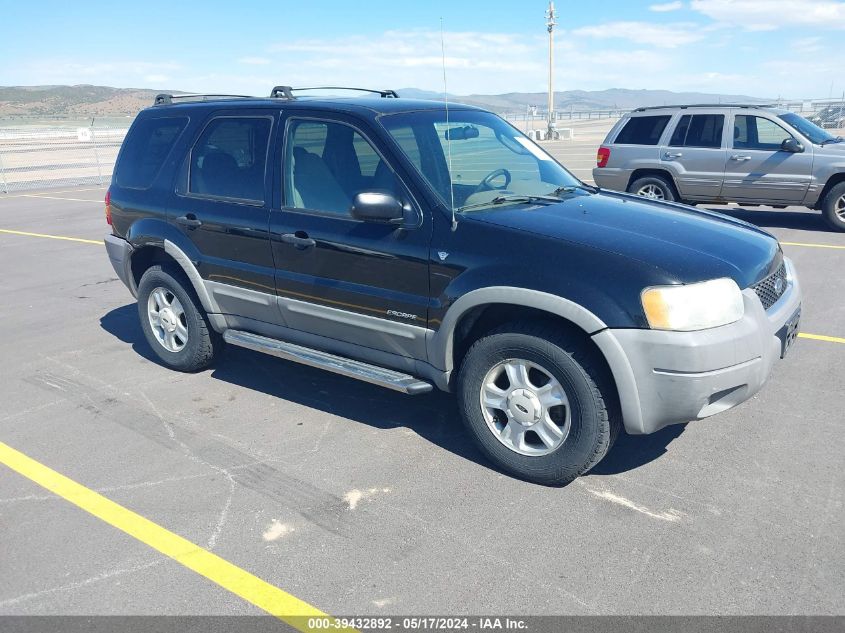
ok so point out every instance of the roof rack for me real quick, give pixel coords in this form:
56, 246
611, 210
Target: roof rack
165, 98
286, 92
706, 105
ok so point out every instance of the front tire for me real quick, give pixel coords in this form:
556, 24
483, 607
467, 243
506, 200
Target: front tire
833, 207
173, 321
537, 404
653, 188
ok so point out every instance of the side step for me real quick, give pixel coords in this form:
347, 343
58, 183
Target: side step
338, 364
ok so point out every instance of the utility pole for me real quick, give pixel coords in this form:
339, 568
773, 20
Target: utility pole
551, 21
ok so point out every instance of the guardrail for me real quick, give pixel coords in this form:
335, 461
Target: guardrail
46, 156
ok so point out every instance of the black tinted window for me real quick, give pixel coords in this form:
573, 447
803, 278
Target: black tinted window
699, 130
643, 130
145, 149
229, 159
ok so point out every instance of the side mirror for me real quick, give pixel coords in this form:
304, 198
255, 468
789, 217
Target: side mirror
791, 145
377, 206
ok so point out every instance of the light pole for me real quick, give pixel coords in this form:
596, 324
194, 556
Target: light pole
551, 21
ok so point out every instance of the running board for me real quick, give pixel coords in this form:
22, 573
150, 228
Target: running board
322, 360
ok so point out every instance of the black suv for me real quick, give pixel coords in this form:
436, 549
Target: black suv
412, 245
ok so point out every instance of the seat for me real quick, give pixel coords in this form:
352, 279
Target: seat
218, 176
384, 178
314, 186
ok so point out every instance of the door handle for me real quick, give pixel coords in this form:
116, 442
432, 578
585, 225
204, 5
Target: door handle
189, 220
672, 155
740, 157
301, 241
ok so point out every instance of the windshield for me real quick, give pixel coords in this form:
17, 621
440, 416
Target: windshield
810, 130
491, 162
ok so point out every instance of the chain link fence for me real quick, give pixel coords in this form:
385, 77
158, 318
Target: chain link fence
34, 157
54, 153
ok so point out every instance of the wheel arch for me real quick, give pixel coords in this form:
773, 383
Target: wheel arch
483, 310
166, 252
653, 171
834, 180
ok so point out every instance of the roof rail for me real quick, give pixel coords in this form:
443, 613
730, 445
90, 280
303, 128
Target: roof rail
706, 105
286, 92
165, 98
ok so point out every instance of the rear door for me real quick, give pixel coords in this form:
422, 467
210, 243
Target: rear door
695, 154
338, 277
223, 206
758, 169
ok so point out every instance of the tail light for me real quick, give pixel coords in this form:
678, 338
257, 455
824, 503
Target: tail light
603, 156
108, 207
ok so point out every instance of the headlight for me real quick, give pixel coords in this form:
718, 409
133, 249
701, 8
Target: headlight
694, 306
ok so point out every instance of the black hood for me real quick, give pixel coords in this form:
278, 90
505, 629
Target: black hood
687, 244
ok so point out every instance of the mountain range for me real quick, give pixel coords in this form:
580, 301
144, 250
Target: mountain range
86, 100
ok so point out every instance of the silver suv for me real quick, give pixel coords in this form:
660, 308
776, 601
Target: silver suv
726, 153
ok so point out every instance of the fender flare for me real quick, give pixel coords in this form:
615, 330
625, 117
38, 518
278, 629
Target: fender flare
217, 320
440, 343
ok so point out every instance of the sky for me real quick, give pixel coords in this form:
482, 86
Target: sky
764, 48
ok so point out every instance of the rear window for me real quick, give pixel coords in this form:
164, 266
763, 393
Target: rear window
699, 130
145, 149
230, 158
643, 130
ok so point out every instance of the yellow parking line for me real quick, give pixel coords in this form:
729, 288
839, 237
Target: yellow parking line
263, 595
821, 337
52, 237
812, 245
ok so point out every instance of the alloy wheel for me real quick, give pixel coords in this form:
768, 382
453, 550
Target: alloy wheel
525, 407
167, 319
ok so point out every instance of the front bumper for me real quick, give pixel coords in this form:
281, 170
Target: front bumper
120, 252
683, 376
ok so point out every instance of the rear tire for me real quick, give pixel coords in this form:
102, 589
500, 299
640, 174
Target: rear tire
528, 377
174, 323
833, 207
653, 188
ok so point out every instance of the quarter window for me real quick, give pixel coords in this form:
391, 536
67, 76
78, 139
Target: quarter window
754, 132
230, 157
327, 164
145, 150
699, 130
643, 130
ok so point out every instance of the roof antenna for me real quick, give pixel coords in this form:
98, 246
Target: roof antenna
448, 135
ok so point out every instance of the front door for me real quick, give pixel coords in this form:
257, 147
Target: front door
758, 170
223, 206
358, 282
695, 155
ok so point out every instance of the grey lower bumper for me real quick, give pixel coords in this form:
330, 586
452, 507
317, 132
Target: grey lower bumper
671, 377
611, 178
119, 251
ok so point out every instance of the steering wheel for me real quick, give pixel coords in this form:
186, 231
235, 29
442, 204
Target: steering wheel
486, 183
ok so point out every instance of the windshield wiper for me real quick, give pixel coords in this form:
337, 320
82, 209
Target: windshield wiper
838, 139
510, 198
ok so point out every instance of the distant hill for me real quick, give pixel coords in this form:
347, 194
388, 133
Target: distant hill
74, 101
611, 99
89, 101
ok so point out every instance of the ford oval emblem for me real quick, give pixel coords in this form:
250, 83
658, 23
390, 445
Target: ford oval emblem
778, 285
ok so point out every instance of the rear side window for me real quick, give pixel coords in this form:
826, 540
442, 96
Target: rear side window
230, 157
699, 130
145, 149
643, 130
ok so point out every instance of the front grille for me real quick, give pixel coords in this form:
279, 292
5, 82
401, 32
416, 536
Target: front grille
767, 289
